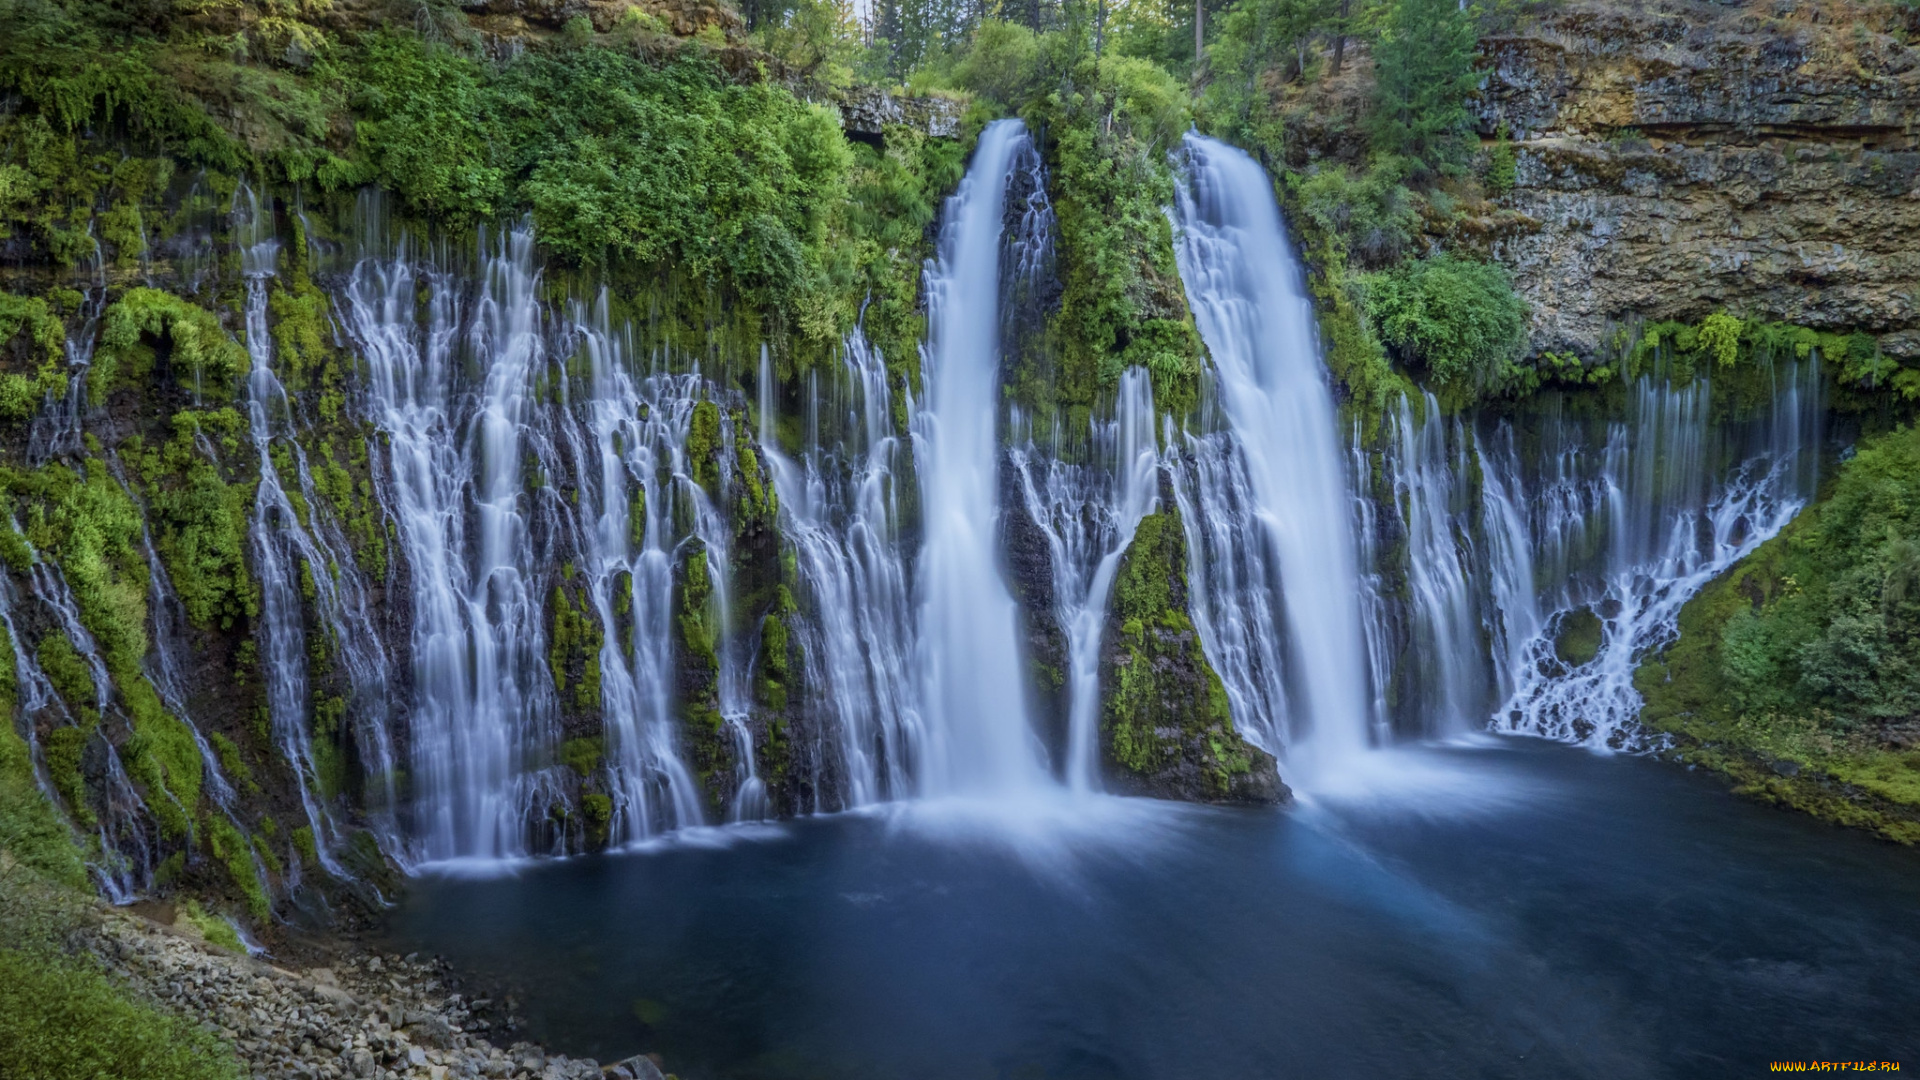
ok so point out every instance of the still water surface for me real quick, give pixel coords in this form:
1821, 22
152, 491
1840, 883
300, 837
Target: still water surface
1507, 909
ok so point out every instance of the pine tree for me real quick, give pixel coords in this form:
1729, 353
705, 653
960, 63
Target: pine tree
1424, 74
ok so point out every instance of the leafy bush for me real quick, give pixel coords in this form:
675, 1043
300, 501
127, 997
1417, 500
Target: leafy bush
1838, 630
1459, 320
1371, 216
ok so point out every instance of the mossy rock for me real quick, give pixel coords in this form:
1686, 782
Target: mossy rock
1166, 729
1577, 639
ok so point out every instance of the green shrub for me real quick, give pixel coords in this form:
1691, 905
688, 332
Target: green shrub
1460, 321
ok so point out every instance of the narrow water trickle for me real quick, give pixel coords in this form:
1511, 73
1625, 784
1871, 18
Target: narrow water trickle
1089, 512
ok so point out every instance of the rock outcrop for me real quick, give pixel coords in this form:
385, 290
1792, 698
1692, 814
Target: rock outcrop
1677, 158
1165, 726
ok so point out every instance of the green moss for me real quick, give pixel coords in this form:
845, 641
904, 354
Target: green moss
233, 764
1165, 706
199, 518
67, 670
774, 660
215, 929
146, 325
581, 755
64, 751
232, 850
575, 639
304, 846
597, 811
1577, 639
703, 446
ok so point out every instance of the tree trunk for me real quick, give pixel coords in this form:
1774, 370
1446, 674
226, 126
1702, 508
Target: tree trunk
1340, 35
1199, 36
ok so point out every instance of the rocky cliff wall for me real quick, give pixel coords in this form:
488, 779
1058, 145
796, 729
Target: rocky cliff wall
1676, 158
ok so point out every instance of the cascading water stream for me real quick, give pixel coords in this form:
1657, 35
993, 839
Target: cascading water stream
481, 707
840, 511
282, 547
1089, 513
969, 665
1285, 476
632, 446
1676, 499
1427, 469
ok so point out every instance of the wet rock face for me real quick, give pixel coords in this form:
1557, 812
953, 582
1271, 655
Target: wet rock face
866, 111
1692, 157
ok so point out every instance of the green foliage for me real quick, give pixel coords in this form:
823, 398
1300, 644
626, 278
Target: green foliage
32, 835
31, 336
624, 159
1369, 218
1461, 321
231, 849
61, 1019
1259, 40
64, 751
67, 670
426, 128
1107, 124
146, 325
1423, 75
1502, 168
215, 929
199, 519
1809, 649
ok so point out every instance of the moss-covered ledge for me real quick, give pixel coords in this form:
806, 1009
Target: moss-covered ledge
1165, 729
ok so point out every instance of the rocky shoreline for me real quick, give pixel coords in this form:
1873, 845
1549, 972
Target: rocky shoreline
373, 1016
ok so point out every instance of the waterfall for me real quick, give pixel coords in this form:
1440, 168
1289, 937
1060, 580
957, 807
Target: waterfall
1088, 513
483, 708
1426, 462
840, 511
628, 478
971, 677
1284, 476
1627, 535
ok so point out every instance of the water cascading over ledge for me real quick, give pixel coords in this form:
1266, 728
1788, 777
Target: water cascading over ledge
536, 577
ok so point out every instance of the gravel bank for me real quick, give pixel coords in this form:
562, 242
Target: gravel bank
374, 1017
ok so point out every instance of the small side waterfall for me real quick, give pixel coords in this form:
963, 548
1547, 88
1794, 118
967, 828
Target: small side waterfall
971, 677
1674, 498
1089, 513
1284, 476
